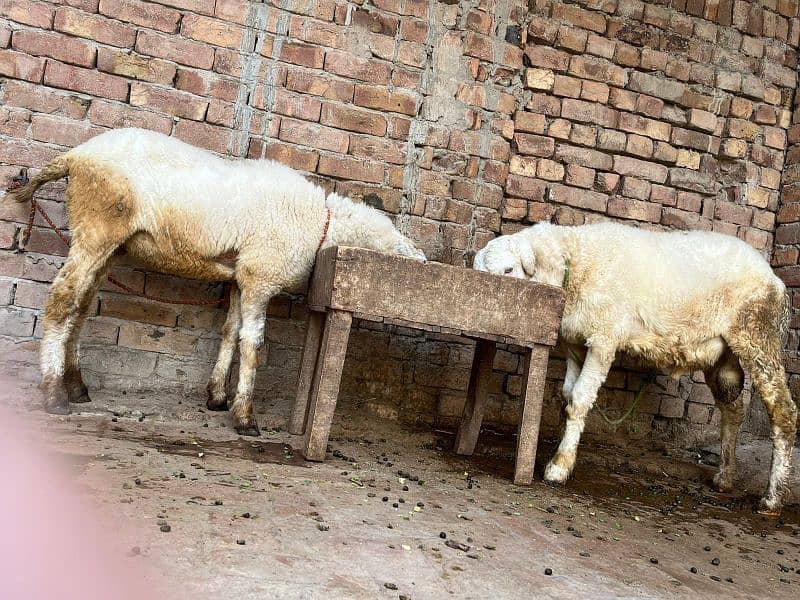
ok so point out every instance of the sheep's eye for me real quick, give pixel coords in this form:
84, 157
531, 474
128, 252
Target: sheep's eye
508, 270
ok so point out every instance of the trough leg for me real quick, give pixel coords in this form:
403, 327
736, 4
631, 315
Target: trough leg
325, 387
477, 394
297, 422
528, 437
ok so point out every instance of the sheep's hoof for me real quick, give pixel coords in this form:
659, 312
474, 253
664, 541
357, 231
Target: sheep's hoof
56, 397
555, 473
248, 429
212, 404
769, 508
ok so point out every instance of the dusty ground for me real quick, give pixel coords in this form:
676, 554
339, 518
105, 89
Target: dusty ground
248, 518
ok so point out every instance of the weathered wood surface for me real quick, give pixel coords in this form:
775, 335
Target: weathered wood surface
535, 371
477, 396
454, 299
325, 386
297, 421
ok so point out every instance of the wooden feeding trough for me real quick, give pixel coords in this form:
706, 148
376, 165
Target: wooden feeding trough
350, 282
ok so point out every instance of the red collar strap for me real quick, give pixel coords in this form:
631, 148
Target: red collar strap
325, 230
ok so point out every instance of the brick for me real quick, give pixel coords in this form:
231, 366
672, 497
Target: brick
688, 159
299, 107
35, 14
297, 158
635, 188
532, 122
539, 79
46, 43
598, 69
666, 89
626, 208
208, 136
315, 85
115, 115
94, 27
643, 126
137, 309
522, 165
559, 129
21, 66
585, 157
207, 84
600, 46
354, 67
212, 31
550, 170
584, 19
595, 91
173, 102
135, 66
579, 198
547, 58
580, 176
583, 135
184, 52
639, 145
571, 39
16, 322
378, 148
352, 119
695, 140
379, 98
535, 145
309, 134
145, 14
739, 128
350, 168
303, 54
701, 119
625, 165
61, 131
43, 100
525, 187
588, 112
87, 81
613, 141
569, 87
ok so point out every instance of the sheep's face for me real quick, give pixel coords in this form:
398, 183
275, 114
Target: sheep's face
507, 255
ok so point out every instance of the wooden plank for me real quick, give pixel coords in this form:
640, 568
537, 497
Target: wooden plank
314, 327
452, 298
477, 395
325, 387
528, 438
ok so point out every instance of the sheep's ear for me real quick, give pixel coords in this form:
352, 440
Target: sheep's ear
526, 257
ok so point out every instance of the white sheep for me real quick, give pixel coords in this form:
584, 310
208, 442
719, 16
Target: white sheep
184, 211
684, 301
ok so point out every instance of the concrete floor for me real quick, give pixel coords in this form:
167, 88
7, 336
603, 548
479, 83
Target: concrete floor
248, 518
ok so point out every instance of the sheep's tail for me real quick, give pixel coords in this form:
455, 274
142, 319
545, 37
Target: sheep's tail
55, 170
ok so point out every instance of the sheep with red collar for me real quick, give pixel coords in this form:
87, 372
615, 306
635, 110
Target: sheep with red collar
684, 301
184, 211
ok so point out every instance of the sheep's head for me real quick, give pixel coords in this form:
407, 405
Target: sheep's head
508, 255
363, 226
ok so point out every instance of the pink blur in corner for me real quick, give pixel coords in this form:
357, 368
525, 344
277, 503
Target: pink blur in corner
54, 543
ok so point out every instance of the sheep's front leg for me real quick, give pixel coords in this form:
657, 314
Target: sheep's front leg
217, 397
584, 394
251, 337
575, 357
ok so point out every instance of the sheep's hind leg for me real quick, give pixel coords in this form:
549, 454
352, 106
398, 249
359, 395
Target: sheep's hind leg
757, 342
76, 388
584, 394
217, 397
69, 297
251, 337
725, 380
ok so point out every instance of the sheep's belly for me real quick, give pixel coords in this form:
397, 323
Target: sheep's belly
182, 262
679, 356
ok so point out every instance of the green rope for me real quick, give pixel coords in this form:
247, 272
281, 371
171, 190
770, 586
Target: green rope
645, 383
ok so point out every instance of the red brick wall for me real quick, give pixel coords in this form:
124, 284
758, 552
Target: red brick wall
462, 119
